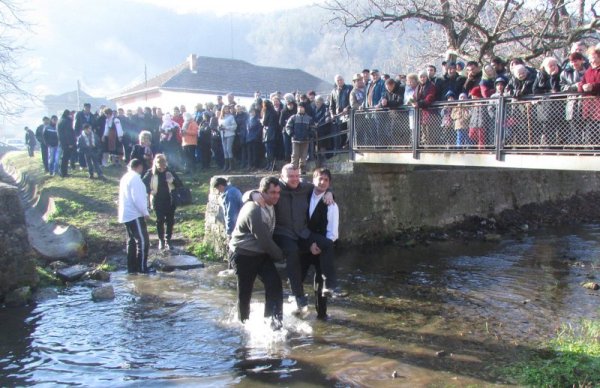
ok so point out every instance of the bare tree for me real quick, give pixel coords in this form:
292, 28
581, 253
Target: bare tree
480, 29
11, 91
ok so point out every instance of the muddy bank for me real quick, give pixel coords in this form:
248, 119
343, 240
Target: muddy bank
577, 210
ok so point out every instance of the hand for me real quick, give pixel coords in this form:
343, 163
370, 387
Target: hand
314, 249
328, 198
587, 87
258, 199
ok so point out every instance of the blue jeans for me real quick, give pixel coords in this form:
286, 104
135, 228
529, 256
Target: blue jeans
54, 160
228, 147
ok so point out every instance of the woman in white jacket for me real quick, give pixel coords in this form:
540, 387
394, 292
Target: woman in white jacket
227, 126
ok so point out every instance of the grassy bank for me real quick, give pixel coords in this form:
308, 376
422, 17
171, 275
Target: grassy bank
91, 206
572, 358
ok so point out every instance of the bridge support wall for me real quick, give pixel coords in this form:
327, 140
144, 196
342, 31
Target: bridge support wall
379, 201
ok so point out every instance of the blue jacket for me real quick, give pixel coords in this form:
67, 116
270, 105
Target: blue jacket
378, 90
299, 127
232, 203
254, 131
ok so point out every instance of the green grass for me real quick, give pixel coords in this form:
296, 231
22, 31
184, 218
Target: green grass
91, 206
572, 359
47, 279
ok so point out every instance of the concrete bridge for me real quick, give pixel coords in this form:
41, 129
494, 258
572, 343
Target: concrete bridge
550, 132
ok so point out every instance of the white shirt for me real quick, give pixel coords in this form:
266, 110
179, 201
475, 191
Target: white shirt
133, 199
333, 215
109, 123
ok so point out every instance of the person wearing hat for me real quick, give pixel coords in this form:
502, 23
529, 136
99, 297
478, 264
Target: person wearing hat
375, 89
452, 80
299, 128
357, 95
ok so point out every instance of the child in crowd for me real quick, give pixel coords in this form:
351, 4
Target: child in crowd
461, 115
447, 123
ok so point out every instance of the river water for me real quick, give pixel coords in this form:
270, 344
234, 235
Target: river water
481, 304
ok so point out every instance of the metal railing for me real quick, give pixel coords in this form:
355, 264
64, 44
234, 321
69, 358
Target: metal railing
536, 124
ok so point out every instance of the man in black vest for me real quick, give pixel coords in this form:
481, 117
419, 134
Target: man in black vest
323, 221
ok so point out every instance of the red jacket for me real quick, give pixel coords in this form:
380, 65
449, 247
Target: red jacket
591, 107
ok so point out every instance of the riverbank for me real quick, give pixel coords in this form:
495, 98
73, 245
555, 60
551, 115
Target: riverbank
91, 206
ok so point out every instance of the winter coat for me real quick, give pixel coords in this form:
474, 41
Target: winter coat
569, 78
241, 120
270, 125
227, 126
591, 107
50, 135
546, 83
461, 116
89, 146
286, 114
299, 127
395, 98
254, 130
454, 84
425, 94
471, 83
376, 89
66, 135
520, 88
161, 199
339, 99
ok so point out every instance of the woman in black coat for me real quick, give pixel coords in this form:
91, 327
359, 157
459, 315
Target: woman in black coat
160, 182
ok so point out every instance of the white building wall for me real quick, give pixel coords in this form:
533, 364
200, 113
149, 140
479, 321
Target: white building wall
167, 100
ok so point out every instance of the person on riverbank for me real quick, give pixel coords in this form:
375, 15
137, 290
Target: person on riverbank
66, 139
254, 253
160, 181
323, 222
39, 135
231, 201
88, 144
30, 141
133, 212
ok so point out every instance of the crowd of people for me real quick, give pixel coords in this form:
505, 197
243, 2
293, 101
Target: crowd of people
283, 127
286, 217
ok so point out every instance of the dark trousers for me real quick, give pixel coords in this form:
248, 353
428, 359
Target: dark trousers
92, 161
189, 152
164, 216
44, 151
30, 149
137, 245
64, 162
253, 148
291, 251
327, 257
247, 268
306, 261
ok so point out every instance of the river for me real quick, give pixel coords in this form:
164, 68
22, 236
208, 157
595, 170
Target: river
481, 304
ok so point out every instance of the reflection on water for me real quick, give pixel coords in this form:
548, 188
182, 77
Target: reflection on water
479, 303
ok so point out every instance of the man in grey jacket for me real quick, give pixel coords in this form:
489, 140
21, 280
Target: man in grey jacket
254, 252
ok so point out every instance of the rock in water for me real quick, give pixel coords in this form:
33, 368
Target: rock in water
44, 294
101, 275
18, 298
103, 293
71, 274
591, 286
171, 263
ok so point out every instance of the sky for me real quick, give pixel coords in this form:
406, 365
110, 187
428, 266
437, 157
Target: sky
105, 44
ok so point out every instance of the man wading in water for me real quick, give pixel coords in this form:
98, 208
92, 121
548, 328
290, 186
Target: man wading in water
254, 252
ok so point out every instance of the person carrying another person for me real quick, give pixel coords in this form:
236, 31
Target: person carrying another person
254, 253
323, 222
160, 181
133, 212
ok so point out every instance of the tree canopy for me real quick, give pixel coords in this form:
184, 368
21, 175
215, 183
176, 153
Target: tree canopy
479, 29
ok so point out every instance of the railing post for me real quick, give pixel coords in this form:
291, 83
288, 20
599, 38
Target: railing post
351, 138
416, 131
499, 127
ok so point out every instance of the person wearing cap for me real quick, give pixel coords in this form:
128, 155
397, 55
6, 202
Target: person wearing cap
461, 115
366, 74
357, 95
452, 81
300, 128
230, 199
375, 89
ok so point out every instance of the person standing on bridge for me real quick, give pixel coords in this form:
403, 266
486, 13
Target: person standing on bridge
590, 84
